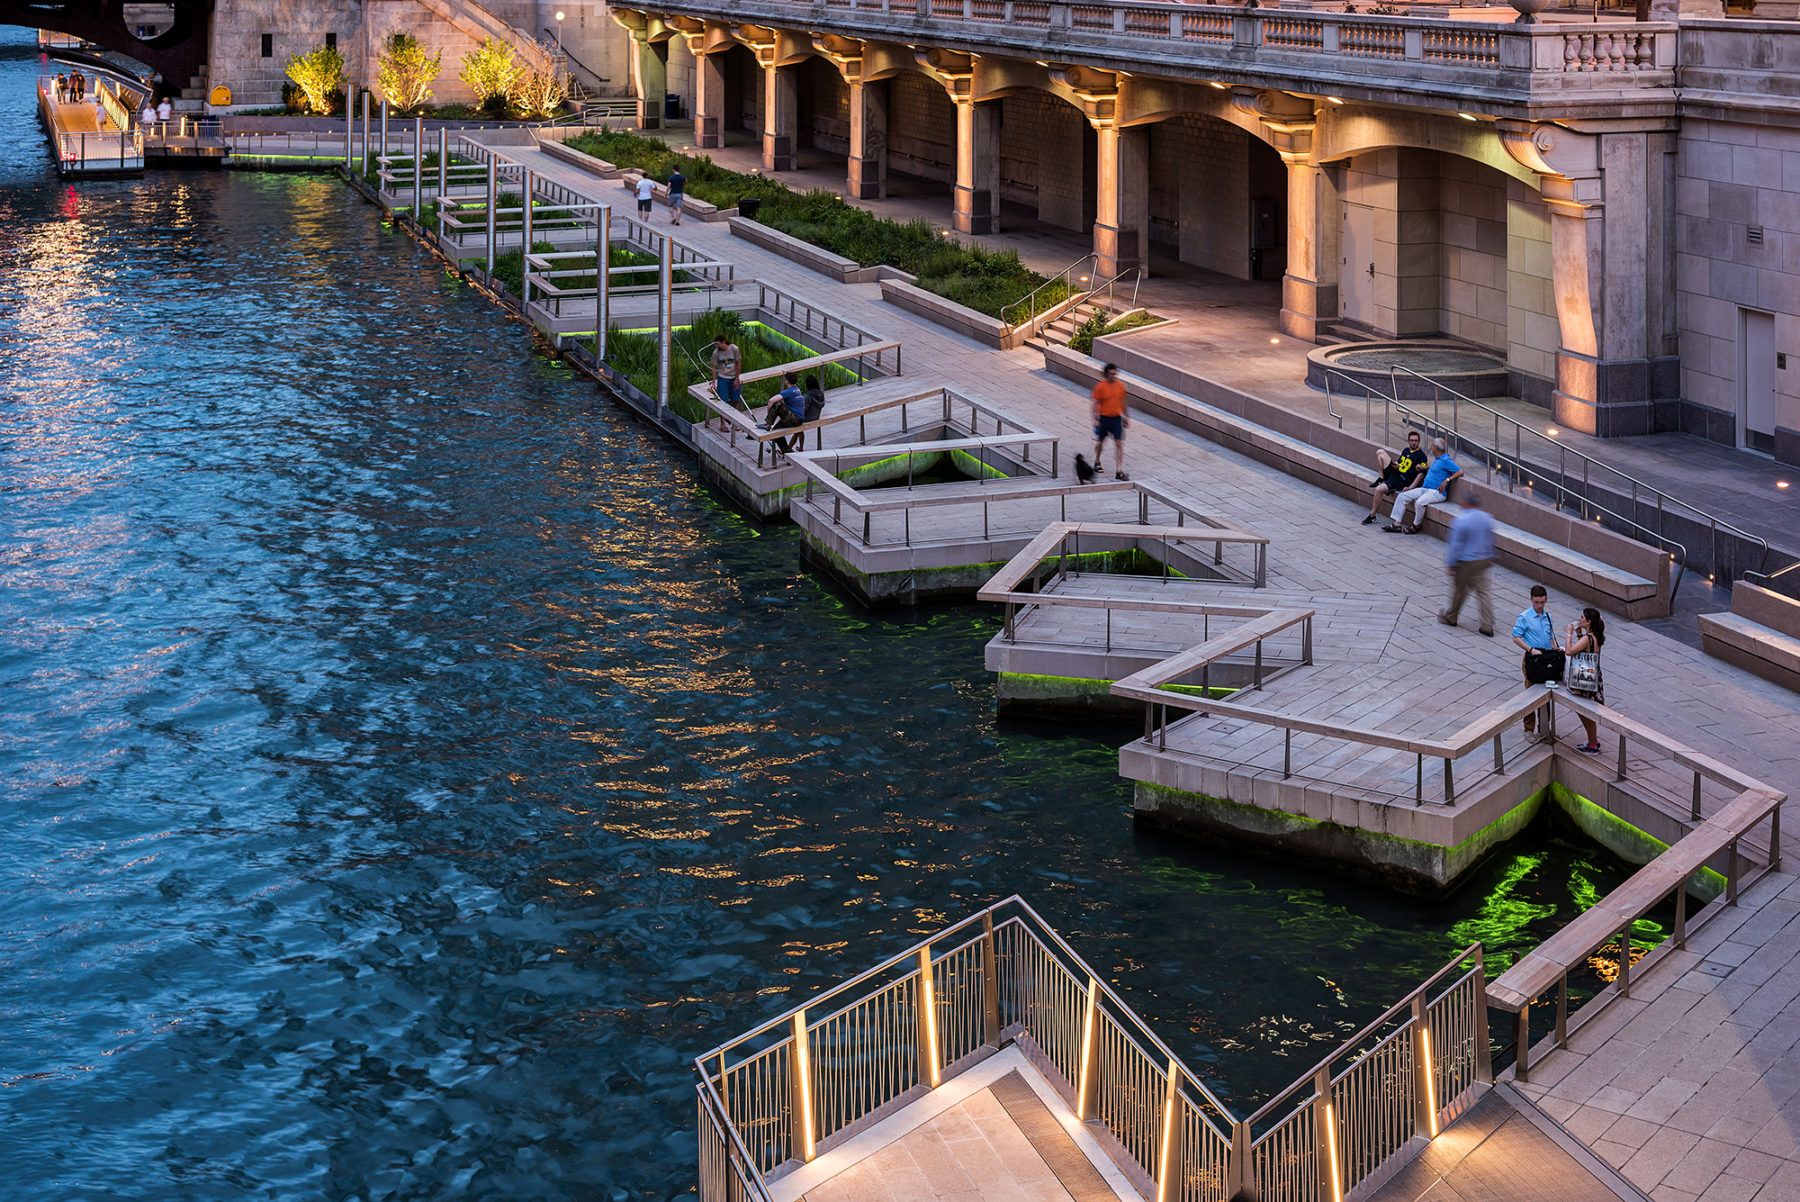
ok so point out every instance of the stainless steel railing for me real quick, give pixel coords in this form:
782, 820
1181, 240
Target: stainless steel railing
1026, 306
1510, 467
781, 1094
1641, 492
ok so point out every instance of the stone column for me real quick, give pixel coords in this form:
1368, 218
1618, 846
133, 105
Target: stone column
781, 118
1122, 199
868, 140
1309, 290
709, 101
1611, 368
977, 167
649, 80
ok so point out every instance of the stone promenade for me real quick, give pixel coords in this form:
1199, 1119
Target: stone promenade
1688, 1088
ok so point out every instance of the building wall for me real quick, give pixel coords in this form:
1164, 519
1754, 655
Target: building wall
1730, 180
236, 59
1532, 333
921, 128
824, 106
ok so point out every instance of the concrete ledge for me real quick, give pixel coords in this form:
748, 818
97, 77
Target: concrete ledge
1753, 647
1580, 558
837, 267
1766, 607
598, 168
989, 331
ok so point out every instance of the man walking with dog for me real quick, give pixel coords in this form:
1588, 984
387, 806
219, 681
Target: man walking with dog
1110, 418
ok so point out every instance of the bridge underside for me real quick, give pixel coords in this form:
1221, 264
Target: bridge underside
177, 53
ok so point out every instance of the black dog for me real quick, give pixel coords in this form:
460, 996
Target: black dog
1084, 472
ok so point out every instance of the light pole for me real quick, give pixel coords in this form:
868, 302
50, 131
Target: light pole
562, 62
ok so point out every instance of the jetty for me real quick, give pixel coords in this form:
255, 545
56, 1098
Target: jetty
96, 136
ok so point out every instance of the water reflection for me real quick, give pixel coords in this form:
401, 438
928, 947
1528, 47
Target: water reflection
412, 766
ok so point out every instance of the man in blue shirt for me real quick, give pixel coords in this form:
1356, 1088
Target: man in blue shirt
1435, 488
1534, 633
1468, 556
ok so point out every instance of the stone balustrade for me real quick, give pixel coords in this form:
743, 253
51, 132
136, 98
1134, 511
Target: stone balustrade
1485, 66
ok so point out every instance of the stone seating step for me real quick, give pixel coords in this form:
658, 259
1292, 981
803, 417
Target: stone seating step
1752, 646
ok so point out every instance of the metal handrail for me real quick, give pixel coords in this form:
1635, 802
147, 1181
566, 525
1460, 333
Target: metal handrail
1511, 467
1765, 579
1587, 462
1064, 275
1474, 950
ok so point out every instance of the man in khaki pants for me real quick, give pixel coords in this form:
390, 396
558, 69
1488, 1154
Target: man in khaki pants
1468, 558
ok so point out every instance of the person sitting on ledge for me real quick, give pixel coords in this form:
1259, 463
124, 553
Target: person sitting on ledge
786, 410
1398, 473
1435, 488
815, 399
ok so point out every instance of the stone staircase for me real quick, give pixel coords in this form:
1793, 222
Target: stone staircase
1058, 332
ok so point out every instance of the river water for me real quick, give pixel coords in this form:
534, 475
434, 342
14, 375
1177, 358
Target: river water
410, 766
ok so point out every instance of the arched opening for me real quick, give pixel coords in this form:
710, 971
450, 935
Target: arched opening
1434, 244
1217, 198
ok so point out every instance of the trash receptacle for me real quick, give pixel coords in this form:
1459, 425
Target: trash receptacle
748, 205
671, 106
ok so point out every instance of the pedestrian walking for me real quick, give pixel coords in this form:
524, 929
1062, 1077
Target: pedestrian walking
646, 192
1468, 560
677, 195
1110, 418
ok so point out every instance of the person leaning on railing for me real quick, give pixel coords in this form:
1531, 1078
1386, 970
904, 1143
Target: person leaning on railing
1587, 634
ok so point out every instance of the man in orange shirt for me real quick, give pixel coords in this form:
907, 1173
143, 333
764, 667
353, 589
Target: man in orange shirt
1109, 419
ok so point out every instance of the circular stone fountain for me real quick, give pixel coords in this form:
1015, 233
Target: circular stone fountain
1469, 371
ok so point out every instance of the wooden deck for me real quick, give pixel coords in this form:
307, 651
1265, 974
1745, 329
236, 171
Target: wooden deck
999, 1133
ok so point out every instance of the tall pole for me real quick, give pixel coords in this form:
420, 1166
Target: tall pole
493, 198
665, 321
602, 279
363, 163
350, 129
384, 126
419, 171
525, 253
443, 178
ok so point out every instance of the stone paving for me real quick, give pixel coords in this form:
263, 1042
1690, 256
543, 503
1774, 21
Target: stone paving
1710, 1034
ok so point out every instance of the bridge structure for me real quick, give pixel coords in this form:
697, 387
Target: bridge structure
177, 53
1457, 172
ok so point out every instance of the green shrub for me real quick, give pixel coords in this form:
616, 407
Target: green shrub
984, 280
1097, 326
634, 355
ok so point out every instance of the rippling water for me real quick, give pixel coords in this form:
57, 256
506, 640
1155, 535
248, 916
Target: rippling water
410, 766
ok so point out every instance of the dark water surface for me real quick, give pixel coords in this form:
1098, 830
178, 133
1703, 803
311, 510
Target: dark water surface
409, 766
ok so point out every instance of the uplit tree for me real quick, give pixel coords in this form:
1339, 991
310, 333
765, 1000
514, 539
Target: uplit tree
492, 71
318, 73
406, 72
537, 94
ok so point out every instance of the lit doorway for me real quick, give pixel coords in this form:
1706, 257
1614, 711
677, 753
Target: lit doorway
1756, 381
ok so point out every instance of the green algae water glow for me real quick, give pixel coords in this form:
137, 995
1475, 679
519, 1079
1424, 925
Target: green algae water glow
410, 765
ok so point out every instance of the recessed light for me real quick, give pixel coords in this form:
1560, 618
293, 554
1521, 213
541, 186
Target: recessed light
1468, 116
1334, 99
1781, 484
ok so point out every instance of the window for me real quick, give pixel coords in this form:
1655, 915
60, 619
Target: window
331, 40
268, 45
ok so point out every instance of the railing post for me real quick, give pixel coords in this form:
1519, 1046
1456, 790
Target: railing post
1625, 961
1325, 1144
1621, 775
1695, 813
1680, 934
803, 1146
990, 980
1168, 1165
1522, 1043
1449, 783
1425, 1106
1087, 1088
1484, 1052
1240, 1171
930, 1060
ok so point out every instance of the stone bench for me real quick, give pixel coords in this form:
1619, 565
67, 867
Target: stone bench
1752, 646
1554, 548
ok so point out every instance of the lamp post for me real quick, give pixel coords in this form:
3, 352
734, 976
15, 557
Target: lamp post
561, 61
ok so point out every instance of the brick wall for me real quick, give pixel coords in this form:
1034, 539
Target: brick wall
1532, 332
921, 128
824, 106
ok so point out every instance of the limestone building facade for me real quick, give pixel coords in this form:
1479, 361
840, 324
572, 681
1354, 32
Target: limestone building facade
1613, 206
